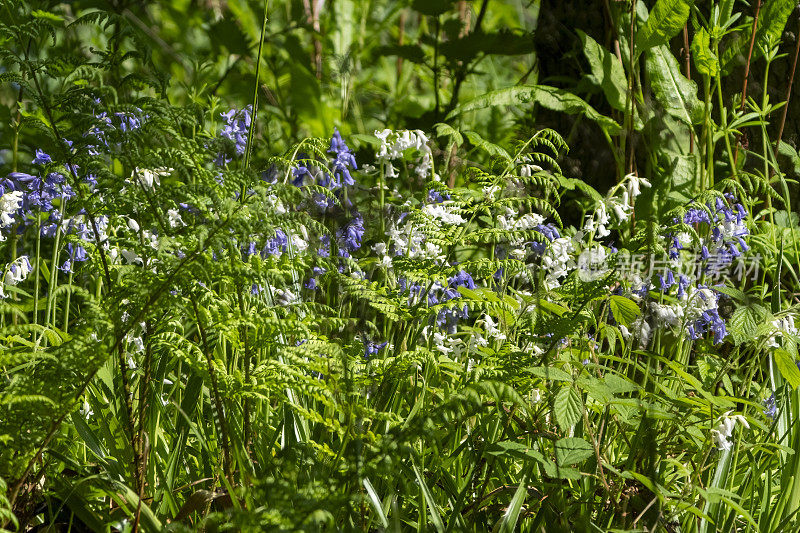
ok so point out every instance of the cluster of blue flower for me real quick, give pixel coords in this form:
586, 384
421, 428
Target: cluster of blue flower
449, 317
723, 227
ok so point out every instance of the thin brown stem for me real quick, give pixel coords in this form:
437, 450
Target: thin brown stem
789, 89
747, 70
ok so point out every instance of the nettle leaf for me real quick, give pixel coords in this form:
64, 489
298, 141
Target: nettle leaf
544, 95
666, 19
673, 91
568, 408
572, 450
705, 60
624, 309
607, 72
787, 367
743, 324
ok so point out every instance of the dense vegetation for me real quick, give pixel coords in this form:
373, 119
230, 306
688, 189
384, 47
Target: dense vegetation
399, 265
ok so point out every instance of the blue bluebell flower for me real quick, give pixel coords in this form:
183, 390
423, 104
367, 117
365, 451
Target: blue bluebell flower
41, 158
770, 407
236, 128
372, 348
343, 161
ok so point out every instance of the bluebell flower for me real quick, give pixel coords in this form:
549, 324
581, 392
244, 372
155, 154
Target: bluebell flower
41, 158
462, 279
237, 126
76, 253
435, 197
371, 348
696, 215
350, 237
277, 245
667, 281
770, 407
128, 121
343, 160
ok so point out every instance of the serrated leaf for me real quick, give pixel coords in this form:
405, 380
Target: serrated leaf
743, 324
568, 408
624, 309
664, 22
787, 367
572, 450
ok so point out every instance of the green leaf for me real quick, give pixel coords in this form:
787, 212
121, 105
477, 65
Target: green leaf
436, 518
743, 324
486, 146
607, 72
672, 90
46, 15
376, 502
508, 523
705, 60
771, 22
568, 408
543, 95
666, 19
572, 450
787, 367
550, 372
624, 309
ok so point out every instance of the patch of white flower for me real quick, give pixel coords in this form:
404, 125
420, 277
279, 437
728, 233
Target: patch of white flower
782, 326
10, 203
174, 218
443, 213
491, 329
596, 223
722, 433
409, 241
557, 261
149, 178
15, 273
592, 264
393, 146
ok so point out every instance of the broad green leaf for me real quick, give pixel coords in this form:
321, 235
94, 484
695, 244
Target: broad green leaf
624, 309
572, 450
787, 367
607, 72
568, 408
543, 95
673, 91
705, 60
743, 324
486, 146
666, 19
